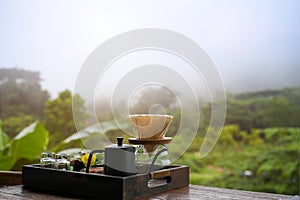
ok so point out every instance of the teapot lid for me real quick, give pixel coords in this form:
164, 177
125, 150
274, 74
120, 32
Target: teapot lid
120, 145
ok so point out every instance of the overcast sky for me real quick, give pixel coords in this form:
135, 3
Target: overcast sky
254, 44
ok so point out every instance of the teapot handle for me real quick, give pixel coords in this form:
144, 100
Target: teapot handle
90, 158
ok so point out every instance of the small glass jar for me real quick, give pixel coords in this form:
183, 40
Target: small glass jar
47, 159
62, 161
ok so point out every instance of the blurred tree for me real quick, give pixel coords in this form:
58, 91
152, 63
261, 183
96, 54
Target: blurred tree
21, 98
59, 116
279, 108
245, 113
13, 125
278, 112
20, 92
103, 109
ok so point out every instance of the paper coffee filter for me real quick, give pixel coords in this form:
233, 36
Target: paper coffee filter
150, 126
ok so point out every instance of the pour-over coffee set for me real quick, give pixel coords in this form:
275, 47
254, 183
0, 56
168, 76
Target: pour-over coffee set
129, 169
148, 145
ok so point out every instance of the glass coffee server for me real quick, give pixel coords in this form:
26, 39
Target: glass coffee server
150, 141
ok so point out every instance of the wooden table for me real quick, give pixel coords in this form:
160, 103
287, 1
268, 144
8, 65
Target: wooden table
192, 192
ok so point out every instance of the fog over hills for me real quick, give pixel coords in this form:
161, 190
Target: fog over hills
257, 80
254, 44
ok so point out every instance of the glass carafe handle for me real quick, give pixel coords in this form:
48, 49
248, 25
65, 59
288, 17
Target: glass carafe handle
155, 157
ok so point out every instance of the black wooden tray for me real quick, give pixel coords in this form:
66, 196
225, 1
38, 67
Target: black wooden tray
102, 186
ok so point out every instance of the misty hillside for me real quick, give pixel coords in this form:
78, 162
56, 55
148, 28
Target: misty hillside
269, 108
287, 93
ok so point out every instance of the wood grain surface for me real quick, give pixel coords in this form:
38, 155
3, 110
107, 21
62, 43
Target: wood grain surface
10, 178
192, 192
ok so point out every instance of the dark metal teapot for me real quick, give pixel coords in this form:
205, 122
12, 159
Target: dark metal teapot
119, 159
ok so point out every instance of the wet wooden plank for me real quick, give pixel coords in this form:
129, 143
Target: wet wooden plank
201, 192
10, 178
20, 192
192, 192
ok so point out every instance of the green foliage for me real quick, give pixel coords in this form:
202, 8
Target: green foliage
93, 136
278, 108
3, 139
14, 124
271, 154
246, 142
22, 99
28, 144
59, 116
278, 112
31, 141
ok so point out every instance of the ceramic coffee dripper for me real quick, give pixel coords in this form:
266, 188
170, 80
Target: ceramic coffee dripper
150, 130
150, 126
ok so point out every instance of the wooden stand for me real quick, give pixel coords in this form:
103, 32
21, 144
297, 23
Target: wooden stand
165, 140
150, 145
